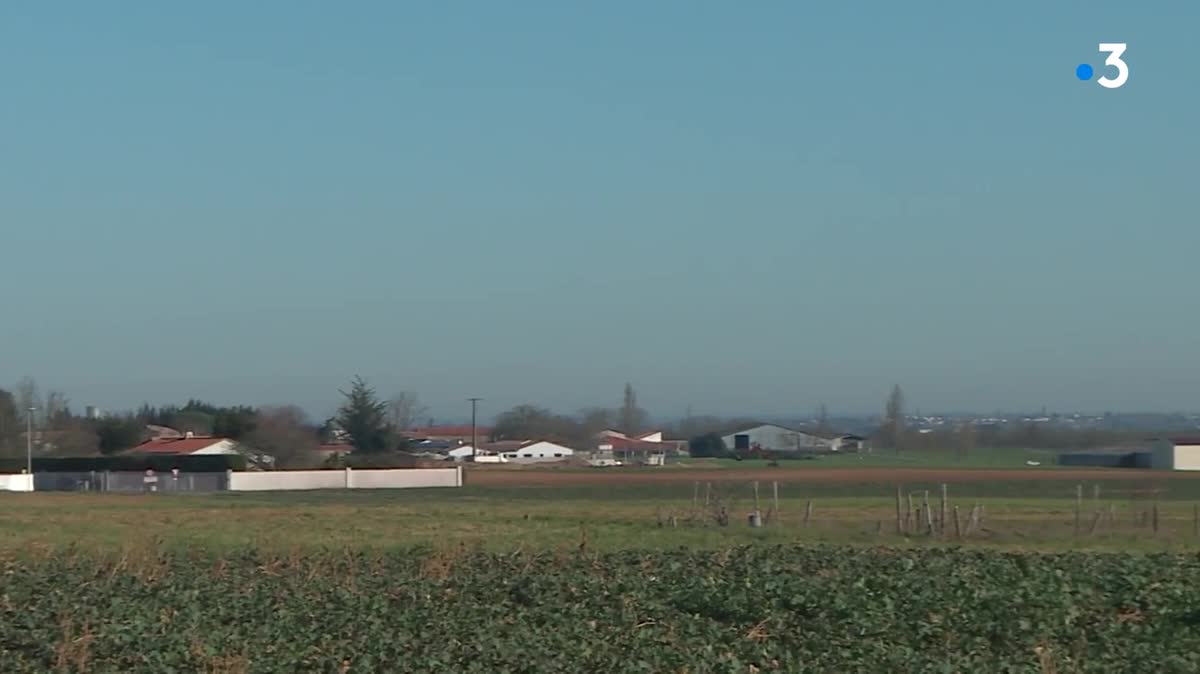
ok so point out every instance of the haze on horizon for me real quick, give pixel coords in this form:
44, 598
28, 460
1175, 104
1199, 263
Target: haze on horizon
738, 209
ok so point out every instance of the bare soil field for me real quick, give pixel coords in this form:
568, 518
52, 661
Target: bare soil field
535, 477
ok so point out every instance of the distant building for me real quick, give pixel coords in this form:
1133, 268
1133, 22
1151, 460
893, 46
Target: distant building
514, 451
776, 438
93, 412
1119, 456
191, 444
1175, 454
162, 432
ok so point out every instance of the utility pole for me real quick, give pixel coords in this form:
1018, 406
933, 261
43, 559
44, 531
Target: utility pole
474, 441
29, 443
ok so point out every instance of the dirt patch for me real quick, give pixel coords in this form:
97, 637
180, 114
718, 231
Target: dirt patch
530, 477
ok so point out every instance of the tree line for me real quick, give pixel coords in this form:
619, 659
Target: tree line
372, 424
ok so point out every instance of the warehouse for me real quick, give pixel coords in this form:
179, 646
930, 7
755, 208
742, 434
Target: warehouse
1175, 454
1108, 457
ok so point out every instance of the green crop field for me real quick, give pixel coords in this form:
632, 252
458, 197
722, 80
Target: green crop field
616, 578
745, 609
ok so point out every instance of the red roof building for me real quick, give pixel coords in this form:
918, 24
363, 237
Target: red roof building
187, 445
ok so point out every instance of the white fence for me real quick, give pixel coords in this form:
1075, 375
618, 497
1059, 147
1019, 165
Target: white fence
397, 478
16, 482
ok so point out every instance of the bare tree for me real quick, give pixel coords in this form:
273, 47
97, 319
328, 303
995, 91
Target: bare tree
26, 397
893, 418
822, 419
285, 434
405, 411
10, 423
56, 410
529, 422
596, 419
633, 418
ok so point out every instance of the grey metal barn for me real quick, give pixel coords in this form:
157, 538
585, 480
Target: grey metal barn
131, 482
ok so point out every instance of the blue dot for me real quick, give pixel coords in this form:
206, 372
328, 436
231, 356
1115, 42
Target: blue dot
1084, 72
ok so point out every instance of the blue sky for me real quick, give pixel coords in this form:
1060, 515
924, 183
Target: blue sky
738, 207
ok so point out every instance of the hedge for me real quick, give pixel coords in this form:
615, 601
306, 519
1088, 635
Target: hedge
188, 463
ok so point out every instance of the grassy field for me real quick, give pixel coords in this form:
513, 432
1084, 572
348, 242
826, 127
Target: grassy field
1034, 514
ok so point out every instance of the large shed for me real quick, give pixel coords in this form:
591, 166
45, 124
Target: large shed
1175, 454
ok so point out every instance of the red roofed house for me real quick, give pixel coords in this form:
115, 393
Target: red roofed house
639, 447
190, 445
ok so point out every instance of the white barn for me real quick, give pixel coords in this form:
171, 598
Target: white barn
537, 452
1175, 454
533, 451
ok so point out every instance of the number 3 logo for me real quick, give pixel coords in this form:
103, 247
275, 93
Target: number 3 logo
1114, 51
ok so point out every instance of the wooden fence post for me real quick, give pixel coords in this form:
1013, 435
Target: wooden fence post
942, 515
910, 523
957, 524
1078, 506
775, 499
899, 518
1154, 512
1195, 519
808, 510
928, 514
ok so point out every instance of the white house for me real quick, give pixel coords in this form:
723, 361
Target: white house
1175, 454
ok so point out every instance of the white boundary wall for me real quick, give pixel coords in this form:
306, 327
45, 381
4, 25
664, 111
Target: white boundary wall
21, 482
393, 478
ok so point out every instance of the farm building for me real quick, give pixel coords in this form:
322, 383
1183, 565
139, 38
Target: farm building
514, 451
188, 444
1108, 457
201, 445
1175, 454
776, 438
539, 451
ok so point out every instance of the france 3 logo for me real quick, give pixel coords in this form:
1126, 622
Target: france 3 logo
1114, 50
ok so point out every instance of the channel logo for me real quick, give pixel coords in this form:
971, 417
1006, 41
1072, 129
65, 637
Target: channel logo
1114, 50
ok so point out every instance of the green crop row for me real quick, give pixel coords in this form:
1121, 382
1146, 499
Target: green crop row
760, 608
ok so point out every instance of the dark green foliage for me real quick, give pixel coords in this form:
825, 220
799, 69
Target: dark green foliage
378, 460
709, 445
530, 422
758, 609
119, 433
10, 422
202, 463
203, 418
364, 418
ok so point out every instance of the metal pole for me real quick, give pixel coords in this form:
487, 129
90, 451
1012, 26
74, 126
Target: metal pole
29, 443
474, 442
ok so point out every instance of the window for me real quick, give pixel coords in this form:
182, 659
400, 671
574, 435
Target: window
510, 456
528, 456
558, 456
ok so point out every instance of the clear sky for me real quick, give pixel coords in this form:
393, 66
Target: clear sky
744, 207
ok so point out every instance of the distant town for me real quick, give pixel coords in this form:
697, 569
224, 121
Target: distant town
399, 430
